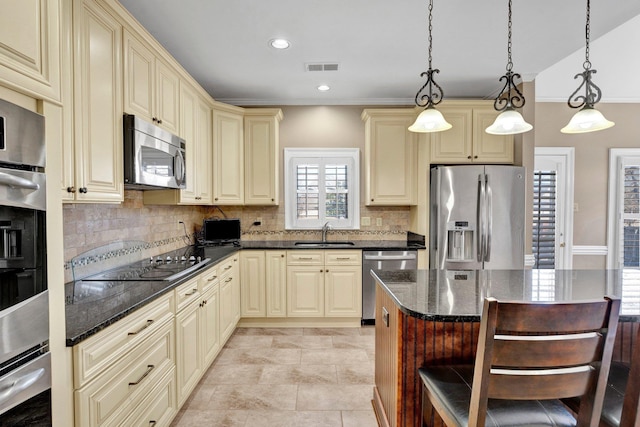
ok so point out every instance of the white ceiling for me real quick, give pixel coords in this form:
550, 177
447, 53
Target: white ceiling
380, 45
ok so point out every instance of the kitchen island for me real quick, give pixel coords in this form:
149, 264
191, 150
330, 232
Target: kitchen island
429, 317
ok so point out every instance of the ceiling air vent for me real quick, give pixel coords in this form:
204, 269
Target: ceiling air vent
322, 67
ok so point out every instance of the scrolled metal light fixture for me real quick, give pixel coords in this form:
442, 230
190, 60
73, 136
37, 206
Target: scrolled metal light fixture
588, 119
509, 121
430, 120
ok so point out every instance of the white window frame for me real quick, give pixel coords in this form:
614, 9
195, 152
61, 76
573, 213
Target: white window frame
618, 157
292, 156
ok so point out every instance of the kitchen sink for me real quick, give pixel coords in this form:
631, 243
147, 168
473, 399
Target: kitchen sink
329, 244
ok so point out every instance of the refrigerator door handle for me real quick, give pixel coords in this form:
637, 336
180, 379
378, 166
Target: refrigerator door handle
489, 221
480, 218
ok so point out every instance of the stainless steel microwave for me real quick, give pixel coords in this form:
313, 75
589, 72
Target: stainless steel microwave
153, 157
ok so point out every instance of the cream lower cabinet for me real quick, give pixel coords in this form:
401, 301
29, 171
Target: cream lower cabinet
324, 283
188, 343
276, 283
98, 110
391, 157
467, 141
117, 369
210, 316
253, 284
229, 296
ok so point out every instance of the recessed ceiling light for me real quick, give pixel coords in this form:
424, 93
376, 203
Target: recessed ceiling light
323, 88
279, 43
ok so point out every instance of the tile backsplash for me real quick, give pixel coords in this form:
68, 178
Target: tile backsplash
90, 226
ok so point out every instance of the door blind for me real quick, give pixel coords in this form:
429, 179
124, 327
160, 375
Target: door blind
544, 219
631, 217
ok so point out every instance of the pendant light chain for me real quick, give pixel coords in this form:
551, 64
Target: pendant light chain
587, 33
434, 94
430, 30
509, 62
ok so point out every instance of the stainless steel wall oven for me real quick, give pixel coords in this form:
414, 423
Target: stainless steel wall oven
25, 364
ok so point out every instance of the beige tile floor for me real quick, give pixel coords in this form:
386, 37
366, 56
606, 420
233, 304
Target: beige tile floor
287, 377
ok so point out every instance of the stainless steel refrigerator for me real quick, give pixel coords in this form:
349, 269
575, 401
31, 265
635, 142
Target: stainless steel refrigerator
477, 217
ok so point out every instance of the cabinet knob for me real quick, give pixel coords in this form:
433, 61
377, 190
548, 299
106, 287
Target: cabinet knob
71, 189
216, 199
320, 270
154, 119
372, 200
159, 121
273, 200
469, 157
475, 157
198, 198
83, 190
282, 256
327, 270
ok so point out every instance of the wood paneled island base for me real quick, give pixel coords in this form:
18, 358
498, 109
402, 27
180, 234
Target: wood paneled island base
407, 340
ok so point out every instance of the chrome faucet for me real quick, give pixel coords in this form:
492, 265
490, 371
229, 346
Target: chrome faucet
326, 227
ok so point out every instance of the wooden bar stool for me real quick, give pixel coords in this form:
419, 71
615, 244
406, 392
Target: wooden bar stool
530, 355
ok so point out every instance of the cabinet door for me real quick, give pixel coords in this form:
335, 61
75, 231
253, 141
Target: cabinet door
236, 290
489, 148
276, 283
261, 159
167, 96
343, 291
30, 44
455, 144
188, 115
391, 161
227, 307
305, 291
204, 176
210, 326
228, 158
139, 78
252, 279
188, 349
98, 104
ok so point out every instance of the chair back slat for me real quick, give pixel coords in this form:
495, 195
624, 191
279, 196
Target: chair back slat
539, 386
551, 317
546, 351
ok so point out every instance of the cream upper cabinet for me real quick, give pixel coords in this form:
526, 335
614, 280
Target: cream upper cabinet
261, 155
228, 155
466, 141
204, 149
151, 88
30, 47
97, 105
391, 159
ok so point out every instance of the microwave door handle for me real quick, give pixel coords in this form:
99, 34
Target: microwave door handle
17, 182
180, 167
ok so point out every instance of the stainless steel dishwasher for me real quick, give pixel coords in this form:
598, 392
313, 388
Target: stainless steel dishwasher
381, 260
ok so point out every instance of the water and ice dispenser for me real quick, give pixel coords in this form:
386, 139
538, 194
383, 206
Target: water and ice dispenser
460, 239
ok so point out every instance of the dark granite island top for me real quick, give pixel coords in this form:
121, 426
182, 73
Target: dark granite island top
430, 317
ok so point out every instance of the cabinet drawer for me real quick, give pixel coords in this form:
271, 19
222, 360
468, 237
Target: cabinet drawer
305, 257
187, 293
159, 408
209, 280
225, 266
105, 400
101, 350
338, 257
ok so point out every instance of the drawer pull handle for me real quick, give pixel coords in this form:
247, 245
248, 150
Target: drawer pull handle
211, 279
344, 258
152, 423
147, 372
227, 267
193, 291
305, 258
228, 280
146, 325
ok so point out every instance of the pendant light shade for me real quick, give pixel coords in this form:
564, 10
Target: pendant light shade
588, 119
430, 120
509, 122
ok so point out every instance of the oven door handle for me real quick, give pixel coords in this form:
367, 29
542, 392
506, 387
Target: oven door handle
17, 182
22, 383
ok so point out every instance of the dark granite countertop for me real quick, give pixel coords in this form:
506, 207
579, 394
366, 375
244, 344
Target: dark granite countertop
457, 296
93, 306
373, 245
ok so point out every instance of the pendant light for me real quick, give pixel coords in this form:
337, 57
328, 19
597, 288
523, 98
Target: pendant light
509, 121
588, 119
430, 120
